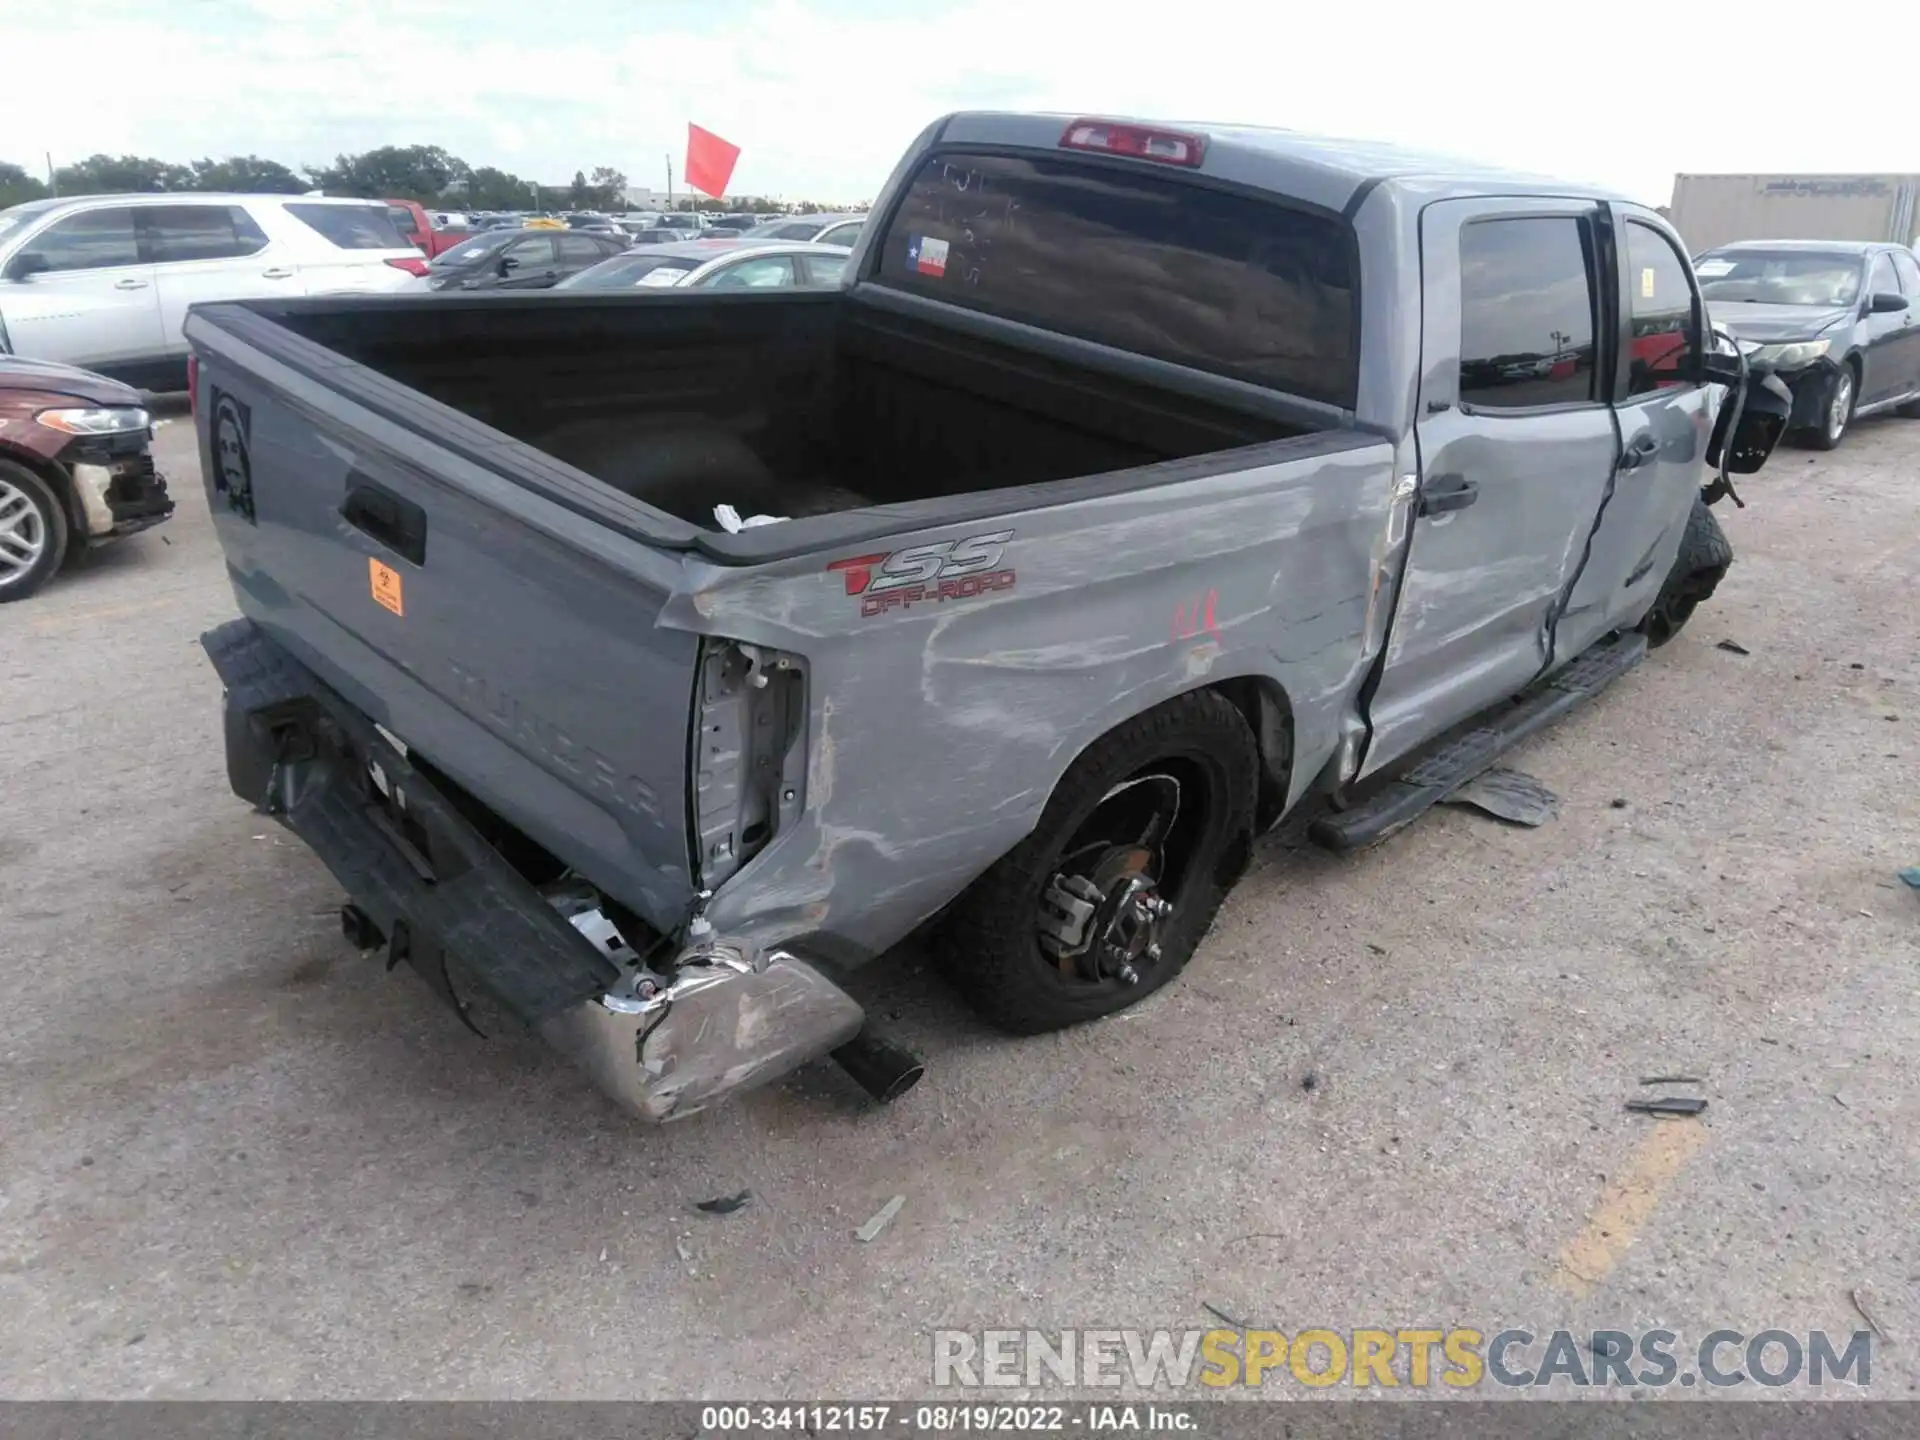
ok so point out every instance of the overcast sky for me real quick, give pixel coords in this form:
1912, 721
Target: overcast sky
823, 94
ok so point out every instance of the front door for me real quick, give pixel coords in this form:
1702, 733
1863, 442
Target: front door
1516, 443
530, 263
1888, 366
1666, 418
94, 304
1907, 271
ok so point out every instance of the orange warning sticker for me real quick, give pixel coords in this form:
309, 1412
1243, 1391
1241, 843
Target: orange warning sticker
384, 581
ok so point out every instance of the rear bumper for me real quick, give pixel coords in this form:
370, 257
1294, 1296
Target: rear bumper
482, 937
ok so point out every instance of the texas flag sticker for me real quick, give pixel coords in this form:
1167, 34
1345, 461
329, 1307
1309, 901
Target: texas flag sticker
927, 255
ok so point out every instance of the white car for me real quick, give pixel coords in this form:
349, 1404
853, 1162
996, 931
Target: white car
104, 281
730, 264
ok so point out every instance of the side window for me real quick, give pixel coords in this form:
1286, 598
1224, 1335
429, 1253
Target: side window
200, 232
580, 250
841, 234
1909, 272
767, 272
91, 240
1664, 310
1526, 312
1883, 277
536, 251
825, 270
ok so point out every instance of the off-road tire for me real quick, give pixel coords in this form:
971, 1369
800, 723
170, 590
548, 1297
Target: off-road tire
1697, 571
988, 945
1823, 436
53, 521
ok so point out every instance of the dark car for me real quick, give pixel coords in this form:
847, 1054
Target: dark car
1838, 320
720, 262
664, 234
76, 469
733, 224
520, 259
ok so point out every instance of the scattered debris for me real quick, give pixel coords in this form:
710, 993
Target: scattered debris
1508, 795
1668, 1105
732, 522
1863, 1298
1309, 1081
1671, 1080
882, 1218
1911, 875
1733, 647
1856, 665
684, 1250
1381, 949
1841, 1101
724, 1204
1221, 1315
1619, 802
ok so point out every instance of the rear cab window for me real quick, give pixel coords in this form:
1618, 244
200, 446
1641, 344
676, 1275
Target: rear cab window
351, 227
1123, 254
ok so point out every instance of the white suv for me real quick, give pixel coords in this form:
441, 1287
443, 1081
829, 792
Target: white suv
104, 281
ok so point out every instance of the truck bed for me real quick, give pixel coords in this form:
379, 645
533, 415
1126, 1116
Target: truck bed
785, 405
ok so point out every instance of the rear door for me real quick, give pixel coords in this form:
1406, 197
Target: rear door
1666, 416
94, 305
510, 641
1516, 444
206, 251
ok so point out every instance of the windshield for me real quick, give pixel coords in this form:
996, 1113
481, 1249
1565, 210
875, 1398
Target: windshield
473, 249
623, 272
1780, 277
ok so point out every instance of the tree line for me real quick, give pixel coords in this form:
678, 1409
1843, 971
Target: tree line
425, 173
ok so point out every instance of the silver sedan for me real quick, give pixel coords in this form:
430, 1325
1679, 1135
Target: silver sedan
718, 265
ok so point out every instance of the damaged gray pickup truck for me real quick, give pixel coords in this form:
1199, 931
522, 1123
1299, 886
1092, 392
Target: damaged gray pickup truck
1139, 485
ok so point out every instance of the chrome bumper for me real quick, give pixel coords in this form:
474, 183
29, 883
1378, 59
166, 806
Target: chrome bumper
722, 1026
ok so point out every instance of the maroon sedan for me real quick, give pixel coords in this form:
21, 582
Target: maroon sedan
76, 469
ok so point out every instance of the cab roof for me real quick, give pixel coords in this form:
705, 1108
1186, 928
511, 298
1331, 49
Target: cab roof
1329, 171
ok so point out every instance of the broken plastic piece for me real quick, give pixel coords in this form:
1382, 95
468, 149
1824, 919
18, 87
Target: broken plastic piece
724, 1204
1671, 1080
731, 521
1508, 795
1733, 647
882, 1218
1668, 1105
1912, 876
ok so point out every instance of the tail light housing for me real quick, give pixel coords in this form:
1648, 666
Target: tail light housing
412, 264
1136, 142
193, 384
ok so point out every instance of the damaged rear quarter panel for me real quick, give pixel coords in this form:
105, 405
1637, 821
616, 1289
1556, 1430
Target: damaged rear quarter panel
937, 731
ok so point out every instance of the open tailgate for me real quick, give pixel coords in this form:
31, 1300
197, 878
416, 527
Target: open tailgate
500, 634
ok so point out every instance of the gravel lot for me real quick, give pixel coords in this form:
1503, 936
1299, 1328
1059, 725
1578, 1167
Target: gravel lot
236, 1160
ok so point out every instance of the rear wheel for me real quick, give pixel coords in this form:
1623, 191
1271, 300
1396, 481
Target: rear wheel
1108, 898
1697, 570
33, 532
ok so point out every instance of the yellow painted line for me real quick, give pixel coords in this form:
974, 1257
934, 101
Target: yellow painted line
1626, 1205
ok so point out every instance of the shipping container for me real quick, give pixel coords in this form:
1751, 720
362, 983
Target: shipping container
1710, 210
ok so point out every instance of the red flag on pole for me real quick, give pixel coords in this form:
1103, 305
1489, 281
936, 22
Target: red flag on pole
710, 161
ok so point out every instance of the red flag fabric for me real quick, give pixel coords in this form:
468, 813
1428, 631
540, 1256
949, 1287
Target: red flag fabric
710, 161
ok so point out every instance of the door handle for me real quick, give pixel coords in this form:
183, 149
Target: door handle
129, 284
1639, 452
278, 272
398, 524
1445, 493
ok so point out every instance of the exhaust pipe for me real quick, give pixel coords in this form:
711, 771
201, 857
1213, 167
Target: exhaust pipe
884, 1070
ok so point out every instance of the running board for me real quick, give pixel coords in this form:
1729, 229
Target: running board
1403, 800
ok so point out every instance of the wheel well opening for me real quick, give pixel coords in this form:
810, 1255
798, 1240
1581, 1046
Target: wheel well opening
1269, 715
57, 478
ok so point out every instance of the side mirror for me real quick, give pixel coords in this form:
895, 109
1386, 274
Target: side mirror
1763, 421
508, 263
1885, 302
26, 265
